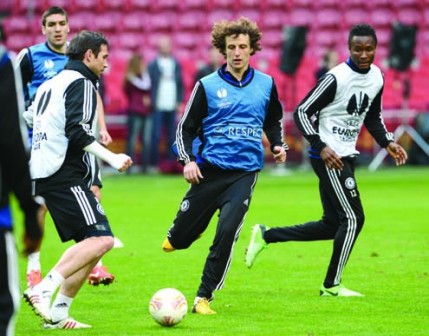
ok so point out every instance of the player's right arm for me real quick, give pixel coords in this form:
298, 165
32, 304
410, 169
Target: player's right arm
190, 123
23, 61
322, 94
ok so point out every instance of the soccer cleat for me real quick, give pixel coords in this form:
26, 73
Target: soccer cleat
166, 246
100, 275
338, 290
40, 302
33, 278
256, 244
67, 323
202, 306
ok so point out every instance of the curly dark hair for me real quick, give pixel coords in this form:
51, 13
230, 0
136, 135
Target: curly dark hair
243, 25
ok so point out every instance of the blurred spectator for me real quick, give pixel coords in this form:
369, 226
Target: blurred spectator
137, 89
215, 61
329, 60
167, 96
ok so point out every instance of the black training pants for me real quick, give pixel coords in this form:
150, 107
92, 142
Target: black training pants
342, 220
228, 191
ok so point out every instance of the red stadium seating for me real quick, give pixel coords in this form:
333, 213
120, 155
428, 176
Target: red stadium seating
191, 21
272, 19
135, 21
139, 5
107, 22
17, 24
136, 25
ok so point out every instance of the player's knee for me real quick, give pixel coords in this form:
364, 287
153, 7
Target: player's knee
106, 243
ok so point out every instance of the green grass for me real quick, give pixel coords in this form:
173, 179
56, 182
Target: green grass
279, 295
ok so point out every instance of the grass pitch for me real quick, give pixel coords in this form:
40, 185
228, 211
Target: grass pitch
279, 295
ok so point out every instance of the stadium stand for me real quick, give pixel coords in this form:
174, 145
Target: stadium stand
189, 23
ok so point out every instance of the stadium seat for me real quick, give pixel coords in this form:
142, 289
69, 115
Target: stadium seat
114, 5
280, 5
252, 14
354, 16
30, 7
328, 18
382, 17
165, 6
191, 5
214, 5
139, 5
302, 4
162, 21
184, 40
81, 20
107, 21
131, 40
326, 38
88, 5
410, 16
16, 24
272, 38
301, 17
66, 4
20, 41
217, 15
191, 20
252, 4
135, 21
273, 19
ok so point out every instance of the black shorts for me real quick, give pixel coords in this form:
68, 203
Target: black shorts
77, 214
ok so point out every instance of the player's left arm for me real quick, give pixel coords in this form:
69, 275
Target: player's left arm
105, 138
375, 125
273, 127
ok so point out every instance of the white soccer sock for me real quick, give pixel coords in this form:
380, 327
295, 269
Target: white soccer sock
99, 264
60, 307
51, 282
33, 262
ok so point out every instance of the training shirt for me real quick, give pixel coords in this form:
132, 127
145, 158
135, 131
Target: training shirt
39, 63
64, 113
333, 112
229, 117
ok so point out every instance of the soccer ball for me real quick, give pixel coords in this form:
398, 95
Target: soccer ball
168, 306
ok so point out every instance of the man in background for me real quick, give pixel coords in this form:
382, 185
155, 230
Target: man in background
167, 97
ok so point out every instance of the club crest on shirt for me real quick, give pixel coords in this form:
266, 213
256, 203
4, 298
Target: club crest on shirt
350, 183
100, 209
184, 206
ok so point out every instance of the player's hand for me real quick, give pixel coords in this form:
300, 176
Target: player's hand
105, 138
192, 173
122, 162
331, 158
279, 154
397, 152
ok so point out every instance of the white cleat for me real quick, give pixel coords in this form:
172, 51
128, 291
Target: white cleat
67, 323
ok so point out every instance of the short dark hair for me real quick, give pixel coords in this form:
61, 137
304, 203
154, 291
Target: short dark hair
362, 30
54, 10
83, 41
